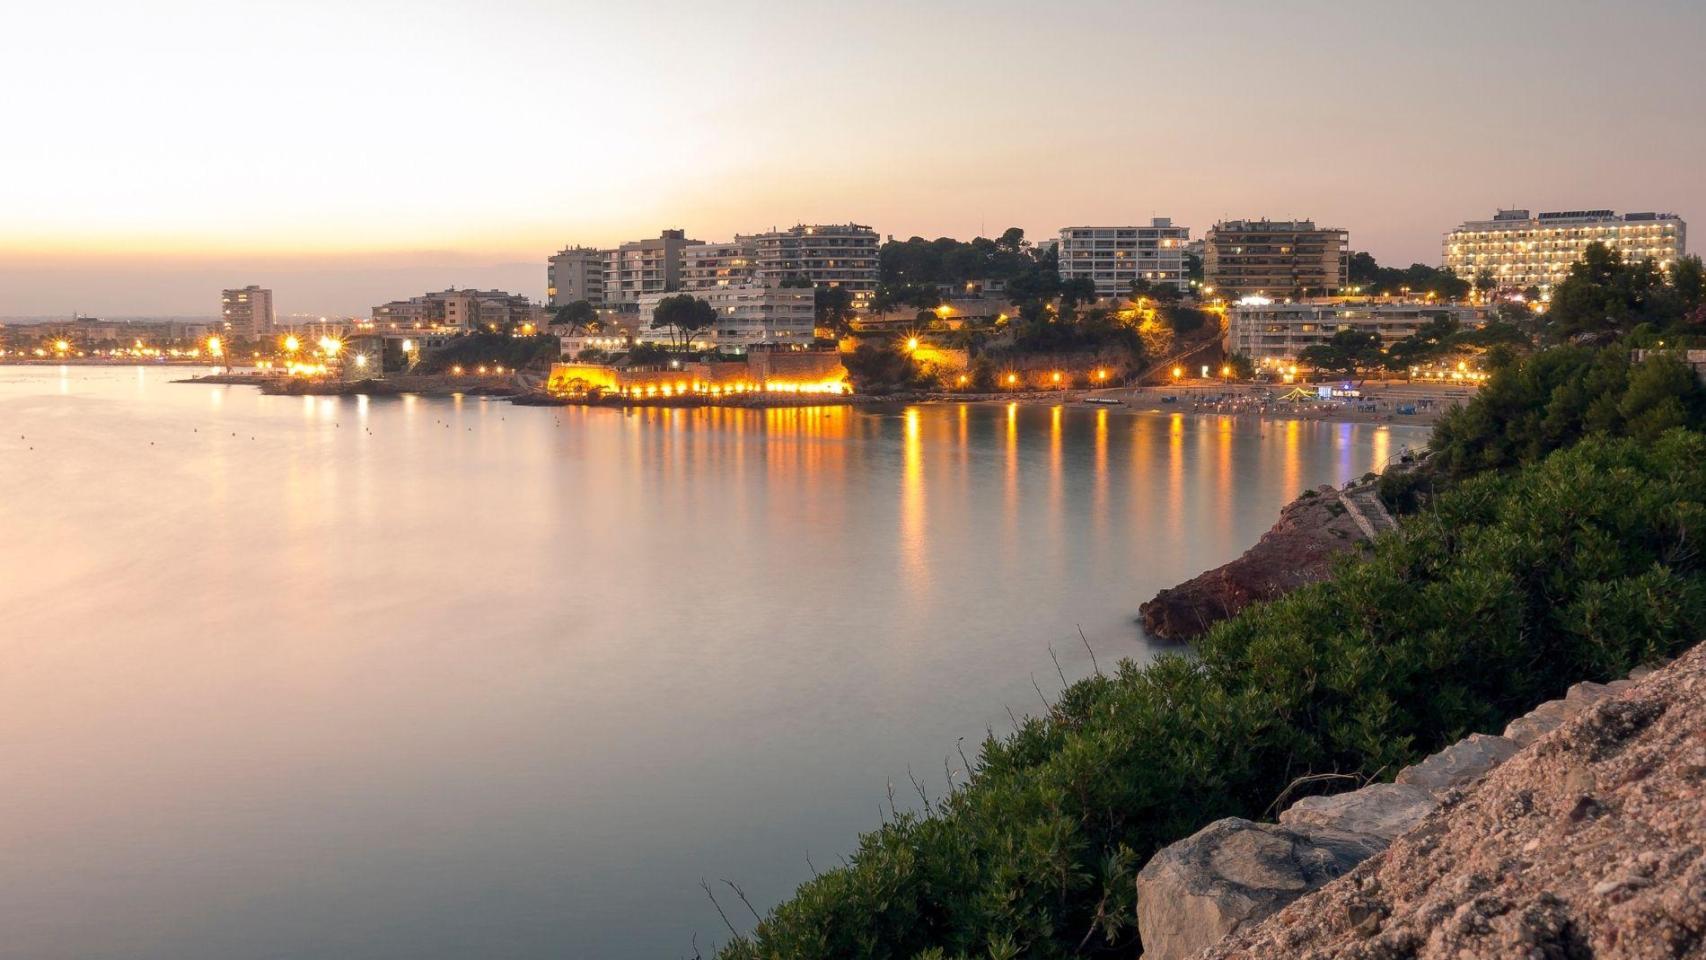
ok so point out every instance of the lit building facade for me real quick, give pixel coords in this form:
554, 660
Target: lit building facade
748, 315
1272, 332
1523, 251
1275, 258
246, 313
1115, 257
826, 255
714, 266
575, 273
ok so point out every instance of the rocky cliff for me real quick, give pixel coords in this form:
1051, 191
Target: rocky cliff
1313, 531
1579, 833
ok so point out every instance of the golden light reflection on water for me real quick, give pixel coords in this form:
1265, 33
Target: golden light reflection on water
483, 614
913, 542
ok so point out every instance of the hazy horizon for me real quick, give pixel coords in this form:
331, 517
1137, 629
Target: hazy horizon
346, 154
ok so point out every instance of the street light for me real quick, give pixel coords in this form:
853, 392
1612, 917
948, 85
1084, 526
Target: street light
291, 344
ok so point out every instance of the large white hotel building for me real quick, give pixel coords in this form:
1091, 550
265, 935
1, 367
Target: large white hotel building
1113, 257
1523, 251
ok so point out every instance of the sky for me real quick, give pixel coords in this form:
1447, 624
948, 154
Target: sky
351, 152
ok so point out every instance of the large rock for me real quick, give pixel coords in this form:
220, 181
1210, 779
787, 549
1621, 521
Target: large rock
1313, 531
1232, 873
1383, 810
1458, 765
1542, 720
1589, 844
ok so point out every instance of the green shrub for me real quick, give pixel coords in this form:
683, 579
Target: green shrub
1509, 588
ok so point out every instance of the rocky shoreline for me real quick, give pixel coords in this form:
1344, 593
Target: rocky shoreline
1577, 833
1312, 533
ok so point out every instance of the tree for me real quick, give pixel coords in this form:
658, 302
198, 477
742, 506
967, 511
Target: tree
1074, 292
834, 309
1012, 240
1485, 283
576, 316
1604, 294
1348, 352
1428, 343
684, 315
1688, 278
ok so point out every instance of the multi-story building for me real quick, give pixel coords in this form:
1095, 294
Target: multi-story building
575, 273
246, 313
1270, 332
639, 267
748, 315
1275, 258
1116, 257
712, 266
491, 310
826, 255
1523, 251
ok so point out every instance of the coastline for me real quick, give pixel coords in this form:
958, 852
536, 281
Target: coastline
1381, 402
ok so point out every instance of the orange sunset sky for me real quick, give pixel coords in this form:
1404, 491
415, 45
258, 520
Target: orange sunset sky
348, 153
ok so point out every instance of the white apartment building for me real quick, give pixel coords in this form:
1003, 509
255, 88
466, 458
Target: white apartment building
575, 273
247, 312
1114, 257
1276, 333
827, 255
748, 315
642, 267
1523, 251
713, 266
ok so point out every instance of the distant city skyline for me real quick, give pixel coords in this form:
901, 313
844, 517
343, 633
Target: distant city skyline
191, 146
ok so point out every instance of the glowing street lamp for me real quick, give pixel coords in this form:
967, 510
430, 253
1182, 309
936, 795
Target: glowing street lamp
291, 344
330, 347
1178, 372
61, 345
911, 344
214, 347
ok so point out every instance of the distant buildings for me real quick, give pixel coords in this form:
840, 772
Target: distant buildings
1275, 258
639, 267
826, 255
1523, 251
1273, 332
1115, 257
748, 315
247, 313
575, 273
715, 266
490, 310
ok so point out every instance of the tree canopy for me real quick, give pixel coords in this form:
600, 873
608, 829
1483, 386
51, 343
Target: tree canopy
683, 315
1348, 352
1418, 279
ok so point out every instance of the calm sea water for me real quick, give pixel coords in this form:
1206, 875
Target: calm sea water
410, 678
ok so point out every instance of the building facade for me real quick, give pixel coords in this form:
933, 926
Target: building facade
826, 255
642, 267
246, 313
1522, 251
714, 266
1116, 257
748, 315
575, 273
1275, 258
1276, 333
489, 310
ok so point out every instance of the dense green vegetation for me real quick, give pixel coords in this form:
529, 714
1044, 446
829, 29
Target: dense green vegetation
1562, 505
1605, 294
1417, 279
1525, 411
